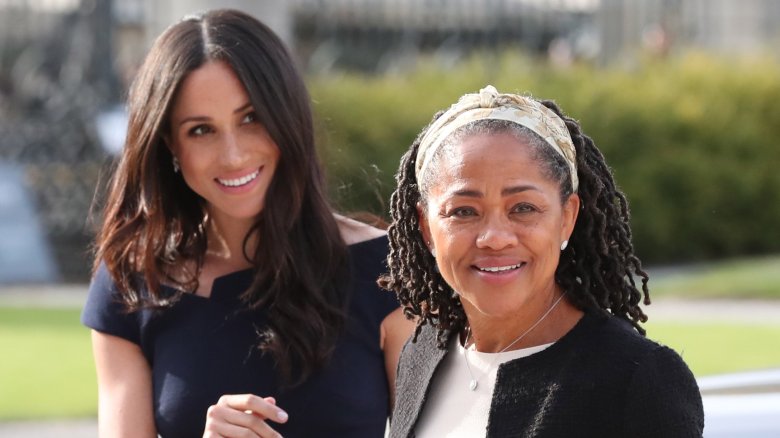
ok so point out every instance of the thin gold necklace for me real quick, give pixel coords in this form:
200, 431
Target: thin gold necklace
473, 382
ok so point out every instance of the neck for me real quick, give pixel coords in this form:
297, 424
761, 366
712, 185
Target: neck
226, 242
531, 327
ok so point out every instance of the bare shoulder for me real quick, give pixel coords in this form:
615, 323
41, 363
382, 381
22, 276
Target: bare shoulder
353, 231
394, 332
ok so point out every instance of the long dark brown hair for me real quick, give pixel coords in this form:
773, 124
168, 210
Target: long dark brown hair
153, 223
598, 269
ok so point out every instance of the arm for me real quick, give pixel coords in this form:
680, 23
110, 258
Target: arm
394, 332
124, 388
663, 398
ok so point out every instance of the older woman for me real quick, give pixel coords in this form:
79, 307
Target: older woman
510, 244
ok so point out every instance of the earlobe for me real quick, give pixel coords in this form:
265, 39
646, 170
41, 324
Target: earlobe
174, 159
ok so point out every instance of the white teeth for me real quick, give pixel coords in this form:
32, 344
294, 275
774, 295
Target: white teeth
500, 268
239, 181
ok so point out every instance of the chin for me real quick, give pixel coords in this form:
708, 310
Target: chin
242, 214
494, 308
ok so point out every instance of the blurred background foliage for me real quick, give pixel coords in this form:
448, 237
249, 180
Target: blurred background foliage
692, 140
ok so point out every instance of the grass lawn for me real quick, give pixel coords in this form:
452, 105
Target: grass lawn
47, 369
712, 348
742, 278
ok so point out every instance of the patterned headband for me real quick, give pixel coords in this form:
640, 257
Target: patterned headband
489, 104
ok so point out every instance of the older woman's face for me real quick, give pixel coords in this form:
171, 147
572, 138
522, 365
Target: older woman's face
496, 223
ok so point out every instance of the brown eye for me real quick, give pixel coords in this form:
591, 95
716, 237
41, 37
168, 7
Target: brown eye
199, 130
250, 117
463, 212
523, 208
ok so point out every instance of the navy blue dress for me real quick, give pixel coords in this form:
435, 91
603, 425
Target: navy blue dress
202, 348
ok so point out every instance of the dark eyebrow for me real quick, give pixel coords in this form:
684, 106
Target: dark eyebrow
193, 119
468, 193
240, 109
517, 189
505, 192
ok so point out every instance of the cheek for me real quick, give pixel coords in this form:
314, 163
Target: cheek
437, 231
197, 158
268, 148
452, 242
547, 251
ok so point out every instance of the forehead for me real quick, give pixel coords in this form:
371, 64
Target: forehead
485, 154
209, 86
486, 163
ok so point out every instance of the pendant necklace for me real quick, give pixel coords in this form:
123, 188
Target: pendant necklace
473, 382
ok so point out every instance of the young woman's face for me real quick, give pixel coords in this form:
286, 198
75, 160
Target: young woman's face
226, 155
496, 224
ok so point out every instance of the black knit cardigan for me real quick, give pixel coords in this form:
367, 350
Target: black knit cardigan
602, 379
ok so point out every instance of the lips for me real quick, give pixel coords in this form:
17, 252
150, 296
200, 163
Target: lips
497, 269
238, 182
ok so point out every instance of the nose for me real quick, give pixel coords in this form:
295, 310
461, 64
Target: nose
233, 152
497, 234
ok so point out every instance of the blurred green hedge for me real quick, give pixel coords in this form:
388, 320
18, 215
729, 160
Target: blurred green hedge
694, 141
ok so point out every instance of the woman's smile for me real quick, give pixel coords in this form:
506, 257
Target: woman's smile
499, 275
499, 269
241, 181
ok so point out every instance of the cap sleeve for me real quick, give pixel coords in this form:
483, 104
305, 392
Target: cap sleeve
105, 312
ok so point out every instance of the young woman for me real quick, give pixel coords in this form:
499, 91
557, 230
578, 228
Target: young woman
511, 245
227, 298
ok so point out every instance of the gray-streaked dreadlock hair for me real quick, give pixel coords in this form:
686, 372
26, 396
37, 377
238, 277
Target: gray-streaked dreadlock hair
597, 270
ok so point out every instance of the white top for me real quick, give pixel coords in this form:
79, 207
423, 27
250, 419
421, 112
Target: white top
452, 410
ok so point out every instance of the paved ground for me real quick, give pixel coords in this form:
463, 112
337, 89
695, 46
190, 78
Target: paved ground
74, 295
759, 311
743, 311
86, 428
45, 295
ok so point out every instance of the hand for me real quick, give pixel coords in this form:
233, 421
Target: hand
244, 415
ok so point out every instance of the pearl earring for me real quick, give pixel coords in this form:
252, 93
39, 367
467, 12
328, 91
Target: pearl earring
176, 166
564, 244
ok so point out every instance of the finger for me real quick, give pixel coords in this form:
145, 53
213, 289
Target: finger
219, 423
227, 422
258, 406
268, 399
224, 430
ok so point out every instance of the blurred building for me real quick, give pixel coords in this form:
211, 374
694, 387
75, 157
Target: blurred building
386, 35
727, 27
